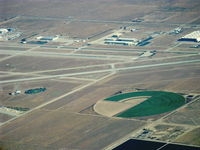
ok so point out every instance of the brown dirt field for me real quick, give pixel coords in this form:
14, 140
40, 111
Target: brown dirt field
2, 74
193, 137
81, 30
161, 78
164, 55
113, 9
188, 115
2, 56
13, 48
138, 35
13, 77
84, 98
30, 26
131, 53
92, 76
77, 70
4, 117
53, 50
158, 16
110, 108
196, 21
54, 89
149, 60
36, 63
61, 129
89, 110
164, 41
180, 18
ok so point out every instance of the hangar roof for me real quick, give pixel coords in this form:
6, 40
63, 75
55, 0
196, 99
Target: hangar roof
193, 35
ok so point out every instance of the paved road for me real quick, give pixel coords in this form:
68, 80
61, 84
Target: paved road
58, 98
102, 71
195, 51
139, 50
54, 54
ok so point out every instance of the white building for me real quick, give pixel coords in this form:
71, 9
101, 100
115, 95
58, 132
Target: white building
3, 31
47, 38
194, 36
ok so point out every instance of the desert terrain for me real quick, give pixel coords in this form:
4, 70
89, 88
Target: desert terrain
60, 59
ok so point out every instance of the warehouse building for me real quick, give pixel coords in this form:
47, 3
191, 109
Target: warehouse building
47, 38
194, 37
127, 39
121, 41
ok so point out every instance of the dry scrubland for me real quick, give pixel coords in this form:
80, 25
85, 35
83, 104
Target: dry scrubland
114, 9
190, 138
79, 75
80, 131
55, 88
191, 112
37, 63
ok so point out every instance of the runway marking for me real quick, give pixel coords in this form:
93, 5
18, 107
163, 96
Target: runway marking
101, 71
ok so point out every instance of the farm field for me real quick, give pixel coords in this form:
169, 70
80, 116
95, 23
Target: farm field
157, 102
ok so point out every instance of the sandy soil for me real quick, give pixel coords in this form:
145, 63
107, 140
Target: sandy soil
111, 108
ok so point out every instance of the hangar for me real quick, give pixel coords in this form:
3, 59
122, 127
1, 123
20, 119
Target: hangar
194, 37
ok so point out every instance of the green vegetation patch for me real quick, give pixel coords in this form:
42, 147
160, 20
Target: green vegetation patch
35, 91
18, 108
157, 103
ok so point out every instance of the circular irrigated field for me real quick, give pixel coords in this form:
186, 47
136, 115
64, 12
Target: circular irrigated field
139, 104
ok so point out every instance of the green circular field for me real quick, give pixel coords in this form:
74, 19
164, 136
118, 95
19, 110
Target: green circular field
157, 103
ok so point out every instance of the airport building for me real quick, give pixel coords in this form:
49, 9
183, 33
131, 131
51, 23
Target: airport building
194, 37
47, 38
121, 41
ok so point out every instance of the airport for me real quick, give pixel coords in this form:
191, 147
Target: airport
99, 75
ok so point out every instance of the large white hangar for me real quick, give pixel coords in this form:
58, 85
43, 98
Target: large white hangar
194, 37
